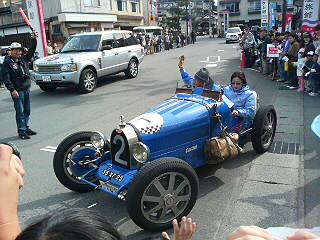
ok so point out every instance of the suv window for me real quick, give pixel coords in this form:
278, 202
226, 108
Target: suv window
107, 40
120, 41
130, 40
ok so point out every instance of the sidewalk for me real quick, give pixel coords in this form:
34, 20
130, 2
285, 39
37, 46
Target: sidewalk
282, 187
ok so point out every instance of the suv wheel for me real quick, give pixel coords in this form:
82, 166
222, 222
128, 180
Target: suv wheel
132, 70
47, 88
88, 81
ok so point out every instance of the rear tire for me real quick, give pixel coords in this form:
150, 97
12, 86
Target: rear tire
133, 69
264, 129
47, 88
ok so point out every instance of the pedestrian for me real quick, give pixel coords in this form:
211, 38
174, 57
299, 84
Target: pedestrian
17, 81
49, 49
308, 43
307, 67
314, 76
265, 41
55, 50
292, 56
300, 65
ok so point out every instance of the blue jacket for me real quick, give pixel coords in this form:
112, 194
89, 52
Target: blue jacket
245, 101
189, 80
315, 72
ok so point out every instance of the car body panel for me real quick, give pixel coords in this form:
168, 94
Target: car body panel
104, 62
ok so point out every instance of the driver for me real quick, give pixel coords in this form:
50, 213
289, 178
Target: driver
201, 79
244, 100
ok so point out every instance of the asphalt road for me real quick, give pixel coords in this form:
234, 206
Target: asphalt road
56, 115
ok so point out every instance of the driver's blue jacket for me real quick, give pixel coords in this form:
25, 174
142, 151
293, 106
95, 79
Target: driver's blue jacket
245, 101
189, 80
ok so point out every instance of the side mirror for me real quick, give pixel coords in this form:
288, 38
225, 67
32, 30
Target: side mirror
106, 47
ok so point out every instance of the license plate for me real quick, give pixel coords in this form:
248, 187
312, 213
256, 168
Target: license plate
46, 78
113, 175
108, 186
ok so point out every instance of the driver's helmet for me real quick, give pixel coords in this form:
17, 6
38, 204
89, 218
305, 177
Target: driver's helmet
203, 76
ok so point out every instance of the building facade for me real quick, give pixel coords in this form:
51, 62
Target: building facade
66, 17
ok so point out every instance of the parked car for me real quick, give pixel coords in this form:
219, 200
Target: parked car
86, 57
233, 34
149, 161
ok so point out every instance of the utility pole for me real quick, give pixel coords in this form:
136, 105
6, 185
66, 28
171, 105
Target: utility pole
284, 15
210, 20
187, 18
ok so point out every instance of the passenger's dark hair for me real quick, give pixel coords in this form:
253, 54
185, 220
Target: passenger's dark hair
293, 35
241, 76
71, 224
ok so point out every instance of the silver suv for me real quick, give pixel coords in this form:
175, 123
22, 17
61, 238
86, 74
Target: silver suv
88, 56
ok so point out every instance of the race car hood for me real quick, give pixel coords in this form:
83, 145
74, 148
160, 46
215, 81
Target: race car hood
173, 123
65, 58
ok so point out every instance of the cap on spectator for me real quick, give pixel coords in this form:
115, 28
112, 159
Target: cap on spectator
310, 53
15, 45
301, 50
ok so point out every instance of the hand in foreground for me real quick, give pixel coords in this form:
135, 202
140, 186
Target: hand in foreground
303, 235
11, 178
250, 232
183, 232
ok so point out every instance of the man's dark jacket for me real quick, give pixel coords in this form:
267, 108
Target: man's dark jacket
16, 75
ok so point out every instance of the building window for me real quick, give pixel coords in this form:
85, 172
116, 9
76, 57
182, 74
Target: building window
135, 6
91, 3
122, 5
232, 7
254, 6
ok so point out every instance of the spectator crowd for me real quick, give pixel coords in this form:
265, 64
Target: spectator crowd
297, 63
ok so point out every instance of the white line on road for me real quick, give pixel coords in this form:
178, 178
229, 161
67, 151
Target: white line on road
211, 65
252, 69
49, 149
220, 50
92, 205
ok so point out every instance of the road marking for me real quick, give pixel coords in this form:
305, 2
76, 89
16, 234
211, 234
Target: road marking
49, 149
220, 50
211, 65
92, 205
252, 69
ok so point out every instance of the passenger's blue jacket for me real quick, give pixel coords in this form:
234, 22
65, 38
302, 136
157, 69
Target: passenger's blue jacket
245, 101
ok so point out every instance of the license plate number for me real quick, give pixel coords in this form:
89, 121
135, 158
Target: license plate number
46, 78
113, 175
108, 187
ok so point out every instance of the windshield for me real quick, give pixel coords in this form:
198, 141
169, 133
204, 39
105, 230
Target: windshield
233, 30
84, 43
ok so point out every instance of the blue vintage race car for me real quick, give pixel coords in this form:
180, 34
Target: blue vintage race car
149, 161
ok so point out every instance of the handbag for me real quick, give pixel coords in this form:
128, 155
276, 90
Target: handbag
218, 149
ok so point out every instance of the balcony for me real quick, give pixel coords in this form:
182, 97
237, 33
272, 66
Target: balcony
234, 13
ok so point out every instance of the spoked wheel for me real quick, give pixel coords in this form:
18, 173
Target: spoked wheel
163, 190
88, 81
264, 129
132, 70
70, 161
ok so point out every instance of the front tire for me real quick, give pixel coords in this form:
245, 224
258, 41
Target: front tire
88, 81
162, 190
264, 129
133, 68
66, 168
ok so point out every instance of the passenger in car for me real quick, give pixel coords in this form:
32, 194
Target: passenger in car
244, 99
